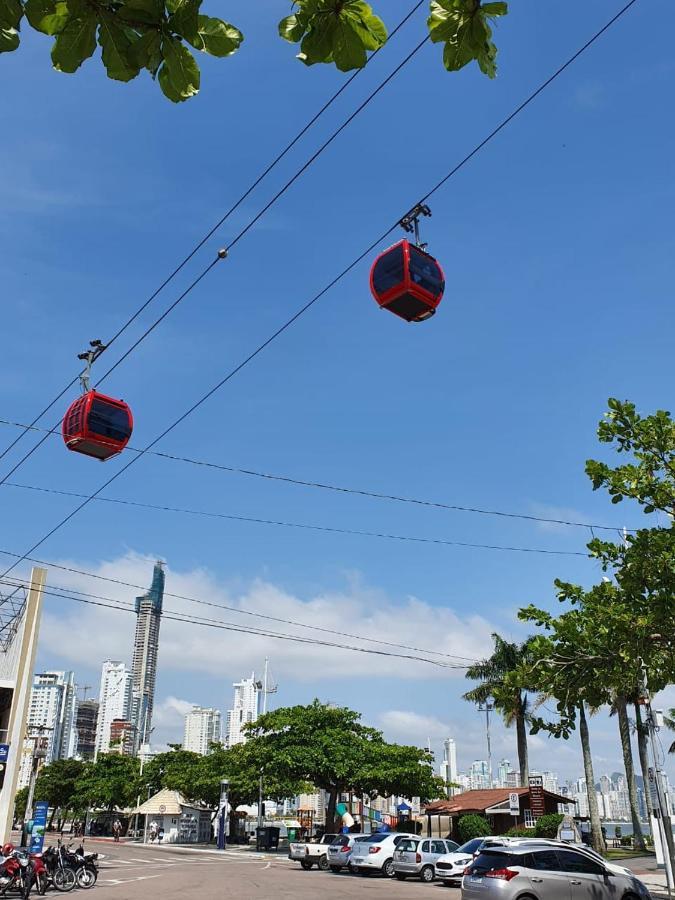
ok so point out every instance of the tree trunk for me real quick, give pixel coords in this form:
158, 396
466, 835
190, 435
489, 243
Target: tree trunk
597, 840
624, 731
330, 810
521, 737
644, 760
51, 819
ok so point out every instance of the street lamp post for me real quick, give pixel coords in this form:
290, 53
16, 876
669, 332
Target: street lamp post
487, 708
222, 814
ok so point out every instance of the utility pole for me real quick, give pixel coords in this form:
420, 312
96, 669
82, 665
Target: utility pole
661, 807
38, 754
487, 708
266, 689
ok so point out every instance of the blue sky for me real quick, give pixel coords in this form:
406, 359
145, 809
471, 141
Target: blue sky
557, 247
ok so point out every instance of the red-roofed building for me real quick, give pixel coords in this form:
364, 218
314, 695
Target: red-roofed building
495, 804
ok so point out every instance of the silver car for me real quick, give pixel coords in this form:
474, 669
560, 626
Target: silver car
416, 858
340, 851
544, 872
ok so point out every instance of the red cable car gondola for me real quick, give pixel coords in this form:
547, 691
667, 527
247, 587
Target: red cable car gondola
95, 424
405, 279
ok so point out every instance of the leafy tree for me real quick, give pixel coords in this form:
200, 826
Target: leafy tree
547, 826
329, 748
20, 801
57, 783
511, 700
112, 782
177, 770
472, 826
155, 35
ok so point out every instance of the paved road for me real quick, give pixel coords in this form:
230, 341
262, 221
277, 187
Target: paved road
131, 871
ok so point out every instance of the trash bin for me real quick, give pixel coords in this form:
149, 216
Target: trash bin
267, 837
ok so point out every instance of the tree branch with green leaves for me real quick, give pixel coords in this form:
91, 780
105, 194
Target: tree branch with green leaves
159, 36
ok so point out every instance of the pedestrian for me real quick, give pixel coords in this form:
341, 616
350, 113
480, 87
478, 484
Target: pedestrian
160, 835
153, 832
117, 830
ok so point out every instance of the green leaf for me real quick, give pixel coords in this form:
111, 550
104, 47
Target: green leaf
293, 27
115, 46
216, 37
149, 12
11, 13
349, 51
369, 27
185, 20
9, 39
47, 16
145, 53
75, 43
179, 76
495, 9
317, 44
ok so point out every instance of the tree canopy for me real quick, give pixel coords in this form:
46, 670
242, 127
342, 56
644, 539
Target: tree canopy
329, 747
158, 36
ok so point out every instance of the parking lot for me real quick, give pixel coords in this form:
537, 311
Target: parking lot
132, 871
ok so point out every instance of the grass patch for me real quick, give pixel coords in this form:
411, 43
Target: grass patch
627, 853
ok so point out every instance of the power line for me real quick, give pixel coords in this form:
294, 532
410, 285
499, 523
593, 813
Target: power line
224, 218
328, 287
301, 525
235, 609
375, 495
230, 626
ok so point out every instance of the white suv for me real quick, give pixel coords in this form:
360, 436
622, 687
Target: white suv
375, 852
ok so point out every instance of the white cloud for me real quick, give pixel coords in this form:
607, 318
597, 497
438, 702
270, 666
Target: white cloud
562, 514
411, 727
86, 635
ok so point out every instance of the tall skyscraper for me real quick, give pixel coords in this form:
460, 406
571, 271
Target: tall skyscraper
114, 700
52, 707
202, 728
246, 708
480, 774
449, 764
144, 662
503, 773
85, 725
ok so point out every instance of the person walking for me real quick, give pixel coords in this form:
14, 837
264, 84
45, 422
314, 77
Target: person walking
117, 830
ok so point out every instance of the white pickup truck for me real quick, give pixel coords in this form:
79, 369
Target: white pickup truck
311, 853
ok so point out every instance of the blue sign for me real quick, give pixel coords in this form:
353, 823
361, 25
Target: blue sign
37, 837
4, 753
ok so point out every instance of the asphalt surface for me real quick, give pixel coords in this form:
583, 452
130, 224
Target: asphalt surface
130, 871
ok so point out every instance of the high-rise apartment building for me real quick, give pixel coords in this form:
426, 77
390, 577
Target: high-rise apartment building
114, 701
123, 737
202, 728
449, 765
85, 725
52, 708
246, 708
144, 661
503, 770
479, 774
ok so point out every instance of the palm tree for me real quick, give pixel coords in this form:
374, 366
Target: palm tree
620, 707
670, 723
512, 702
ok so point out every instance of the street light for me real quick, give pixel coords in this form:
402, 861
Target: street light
222, 815
487, 708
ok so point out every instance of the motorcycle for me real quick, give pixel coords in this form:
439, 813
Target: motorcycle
58, 873
85, 866
16, 871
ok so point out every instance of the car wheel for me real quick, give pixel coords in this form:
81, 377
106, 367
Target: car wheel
335, 868
352, 869
323, 863
399, 876
388, 868
306, 865
427, 874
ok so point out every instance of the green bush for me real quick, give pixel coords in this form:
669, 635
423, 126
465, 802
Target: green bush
472, 826
547, 826
617, 831
627, 841
520, 831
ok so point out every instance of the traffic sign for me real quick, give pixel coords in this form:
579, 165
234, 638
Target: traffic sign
514, 804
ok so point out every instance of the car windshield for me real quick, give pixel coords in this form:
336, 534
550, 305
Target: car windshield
470, 846
340, 841
408, 844
374, 838
494, 859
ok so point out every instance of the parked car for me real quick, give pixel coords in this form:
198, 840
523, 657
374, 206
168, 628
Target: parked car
340, 851
450, 868
544, 872
416, 857
311, 853
375, 852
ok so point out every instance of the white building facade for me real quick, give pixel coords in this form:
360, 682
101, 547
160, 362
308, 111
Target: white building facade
203, 727
114, 700
52, 707
449, 764
246, 708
